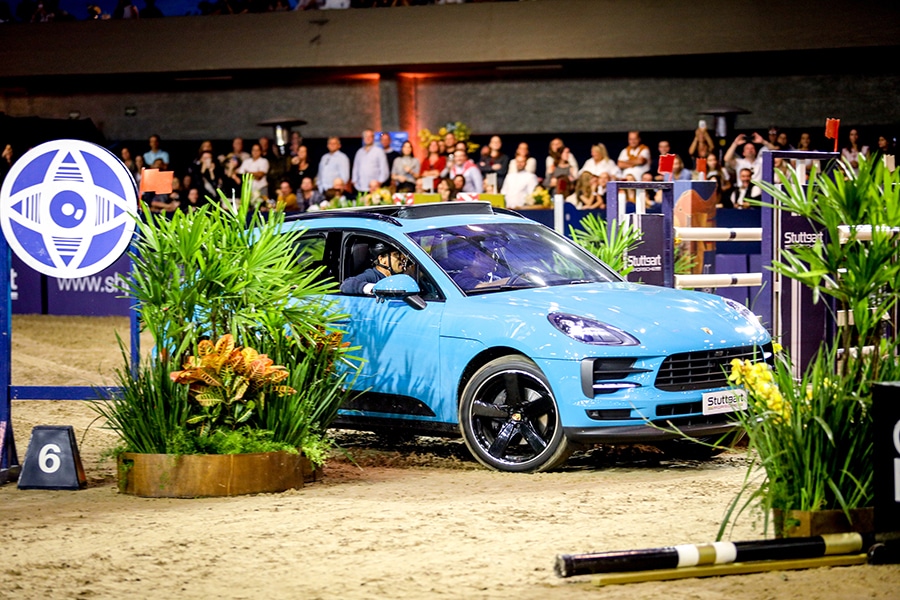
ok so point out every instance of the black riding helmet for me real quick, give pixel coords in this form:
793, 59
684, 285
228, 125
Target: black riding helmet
379, 249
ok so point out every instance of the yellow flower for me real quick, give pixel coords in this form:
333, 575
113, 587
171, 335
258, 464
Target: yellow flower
540, 197
737, 375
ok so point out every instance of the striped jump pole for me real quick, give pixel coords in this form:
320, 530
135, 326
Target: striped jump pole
717, 553
738, 568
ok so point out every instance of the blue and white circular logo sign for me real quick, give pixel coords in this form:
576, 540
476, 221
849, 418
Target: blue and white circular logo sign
67, 208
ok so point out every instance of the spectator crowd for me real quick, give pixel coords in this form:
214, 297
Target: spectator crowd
374, 172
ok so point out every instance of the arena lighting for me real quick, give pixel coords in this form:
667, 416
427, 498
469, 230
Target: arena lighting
418, 75
366, 76
281, 127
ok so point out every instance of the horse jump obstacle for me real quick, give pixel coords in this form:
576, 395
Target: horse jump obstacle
718, 234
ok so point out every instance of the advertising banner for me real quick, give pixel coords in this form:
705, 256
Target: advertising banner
25, 289
646, 260
804, 322
94, 295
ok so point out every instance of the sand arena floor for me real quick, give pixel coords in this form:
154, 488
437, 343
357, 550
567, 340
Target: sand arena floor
411, 520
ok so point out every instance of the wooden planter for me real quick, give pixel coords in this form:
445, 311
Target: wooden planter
806, 523
193, 476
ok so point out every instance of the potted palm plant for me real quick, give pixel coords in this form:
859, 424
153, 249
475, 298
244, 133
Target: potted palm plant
248, 368
811, 437
610, 246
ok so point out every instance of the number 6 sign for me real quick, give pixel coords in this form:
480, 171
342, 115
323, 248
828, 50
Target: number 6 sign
52, 461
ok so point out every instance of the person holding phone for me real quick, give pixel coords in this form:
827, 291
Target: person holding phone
750, 159
702, 145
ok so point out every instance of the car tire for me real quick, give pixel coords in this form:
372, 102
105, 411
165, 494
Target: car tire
509, 418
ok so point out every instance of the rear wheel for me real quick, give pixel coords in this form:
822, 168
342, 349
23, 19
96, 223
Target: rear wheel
509, 419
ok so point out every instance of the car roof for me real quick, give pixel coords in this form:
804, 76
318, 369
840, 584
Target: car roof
411, 217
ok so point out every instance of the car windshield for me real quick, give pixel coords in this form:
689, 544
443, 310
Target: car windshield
493, 257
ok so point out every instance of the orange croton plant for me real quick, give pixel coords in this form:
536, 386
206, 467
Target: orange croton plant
223, 376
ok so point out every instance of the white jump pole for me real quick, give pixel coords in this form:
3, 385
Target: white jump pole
718, 234
863, 233
718, 280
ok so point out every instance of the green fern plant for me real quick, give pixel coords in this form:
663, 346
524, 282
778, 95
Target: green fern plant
611, 245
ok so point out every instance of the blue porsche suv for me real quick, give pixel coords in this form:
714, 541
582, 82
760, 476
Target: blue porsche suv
496, 328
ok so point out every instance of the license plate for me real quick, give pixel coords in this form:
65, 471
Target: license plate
717, 403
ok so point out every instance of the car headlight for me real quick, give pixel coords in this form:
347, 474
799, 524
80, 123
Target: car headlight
744, 312
590, 331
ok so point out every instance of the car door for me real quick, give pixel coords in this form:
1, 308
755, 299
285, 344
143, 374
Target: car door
401, 376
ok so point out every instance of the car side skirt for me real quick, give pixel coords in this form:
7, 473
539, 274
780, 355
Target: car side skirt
415, 427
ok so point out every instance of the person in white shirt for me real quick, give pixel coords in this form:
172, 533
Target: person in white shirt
634, 160
750, 160
333, 164
257, 166
519, 184
600, 162
530, 161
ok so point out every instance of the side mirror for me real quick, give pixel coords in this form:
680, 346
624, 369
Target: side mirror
399, 287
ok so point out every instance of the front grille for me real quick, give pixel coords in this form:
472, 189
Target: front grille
684, 408
705, 369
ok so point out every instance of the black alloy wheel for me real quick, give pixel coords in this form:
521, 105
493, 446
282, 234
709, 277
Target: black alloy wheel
509, 418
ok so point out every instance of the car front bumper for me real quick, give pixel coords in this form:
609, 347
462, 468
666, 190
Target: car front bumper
658, 431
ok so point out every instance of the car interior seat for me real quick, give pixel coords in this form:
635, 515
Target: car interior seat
359, 259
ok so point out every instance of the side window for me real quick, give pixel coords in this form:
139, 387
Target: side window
312, 250
357, 258
356, 254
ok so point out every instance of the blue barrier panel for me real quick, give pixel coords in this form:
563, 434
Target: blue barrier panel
25, 289
544, 216
9, 460
573, 216
733, 218
788, 311
617, 210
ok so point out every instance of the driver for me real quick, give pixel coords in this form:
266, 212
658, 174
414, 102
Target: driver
387, 261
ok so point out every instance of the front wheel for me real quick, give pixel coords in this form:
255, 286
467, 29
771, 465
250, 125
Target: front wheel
509, 418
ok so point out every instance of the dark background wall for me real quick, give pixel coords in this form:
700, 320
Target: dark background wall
591, 69
521, 106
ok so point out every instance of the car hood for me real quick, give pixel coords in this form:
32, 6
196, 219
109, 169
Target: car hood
661, 318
